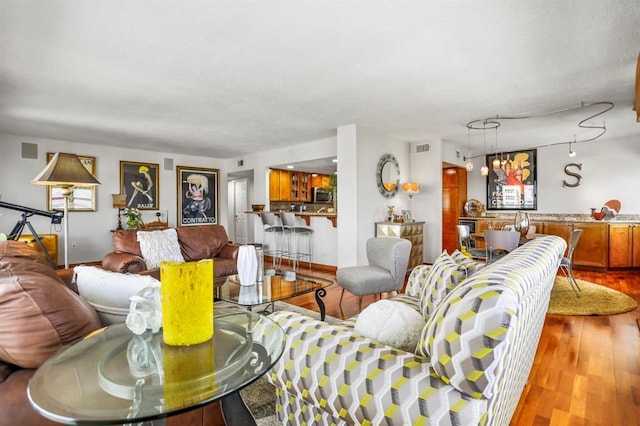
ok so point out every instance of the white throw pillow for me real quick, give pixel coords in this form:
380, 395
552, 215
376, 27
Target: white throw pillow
158, 246
108, 292
393, 323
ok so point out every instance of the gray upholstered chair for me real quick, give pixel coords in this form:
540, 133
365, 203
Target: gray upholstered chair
388, 260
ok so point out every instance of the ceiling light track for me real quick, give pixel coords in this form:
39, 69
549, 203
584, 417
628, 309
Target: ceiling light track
494, 122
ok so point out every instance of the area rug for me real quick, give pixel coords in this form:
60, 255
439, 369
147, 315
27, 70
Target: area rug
260, 397
594, 299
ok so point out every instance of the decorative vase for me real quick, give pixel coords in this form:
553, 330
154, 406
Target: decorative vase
247, 265
521, 223
187, 302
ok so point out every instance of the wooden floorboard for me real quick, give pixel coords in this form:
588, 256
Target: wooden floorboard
586, 370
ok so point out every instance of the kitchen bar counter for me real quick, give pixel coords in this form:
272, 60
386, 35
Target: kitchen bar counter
559, 217
333, 218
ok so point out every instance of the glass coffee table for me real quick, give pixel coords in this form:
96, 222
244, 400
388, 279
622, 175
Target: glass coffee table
113, 376
280, 286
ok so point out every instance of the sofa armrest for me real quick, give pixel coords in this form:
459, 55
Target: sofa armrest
229, 251
350, 377
123, 263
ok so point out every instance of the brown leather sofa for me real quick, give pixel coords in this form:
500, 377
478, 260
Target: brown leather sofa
40, 311
196, 243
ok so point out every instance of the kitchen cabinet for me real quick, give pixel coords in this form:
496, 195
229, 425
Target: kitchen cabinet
285, 185
279, 185
624, 245
592, 248
318, 181
454, 195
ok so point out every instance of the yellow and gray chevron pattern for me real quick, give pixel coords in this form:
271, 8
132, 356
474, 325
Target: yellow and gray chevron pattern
481, 339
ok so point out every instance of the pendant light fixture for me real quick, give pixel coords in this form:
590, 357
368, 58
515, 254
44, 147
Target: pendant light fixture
469, 165
571, 152
496, 161
484, 170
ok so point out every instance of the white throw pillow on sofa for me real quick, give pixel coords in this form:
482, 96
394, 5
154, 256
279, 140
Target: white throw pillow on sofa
108, 292
391, 322
158, 246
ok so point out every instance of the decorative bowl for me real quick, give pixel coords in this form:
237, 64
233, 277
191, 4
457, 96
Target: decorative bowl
257, 207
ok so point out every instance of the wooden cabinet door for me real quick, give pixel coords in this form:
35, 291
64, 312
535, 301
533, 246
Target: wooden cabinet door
323, 181
481, 226
635, 246
274, 185
561, 229
304, 193
450, 220
619, 245
285, 185
454, 195
592, 249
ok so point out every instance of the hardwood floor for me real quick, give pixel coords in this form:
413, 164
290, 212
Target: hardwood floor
586, 370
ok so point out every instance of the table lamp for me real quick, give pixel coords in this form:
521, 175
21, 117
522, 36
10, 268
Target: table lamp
410, 188
65, 171
119, 202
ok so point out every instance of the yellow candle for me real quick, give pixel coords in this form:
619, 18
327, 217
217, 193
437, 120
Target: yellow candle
187, 302
188, 374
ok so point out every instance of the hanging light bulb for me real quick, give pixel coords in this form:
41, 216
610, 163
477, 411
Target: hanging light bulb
571, 152
484, 170
496, 161
469, 165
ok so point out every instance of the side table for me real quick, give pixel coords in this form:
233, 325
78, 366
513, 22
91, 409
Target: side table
113, 376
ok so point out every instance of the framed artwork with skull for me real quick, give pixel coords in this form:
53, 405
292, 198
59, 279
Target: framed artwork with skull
197, 195
139, 181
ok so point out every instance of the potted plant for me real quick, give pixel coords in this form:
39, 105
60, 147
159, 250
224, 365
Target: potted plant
134, 217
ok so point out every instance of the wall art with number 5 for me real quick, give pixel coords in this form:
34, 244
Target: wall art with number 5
197, 195
511, 183
139, 181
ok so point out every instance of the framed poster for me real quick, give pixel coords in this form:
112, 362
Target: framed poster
197, 195
512, 184
83, 198
139, 181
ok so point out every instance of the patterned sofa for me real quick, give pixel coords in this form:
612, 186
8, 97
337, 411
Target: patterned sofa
471, 362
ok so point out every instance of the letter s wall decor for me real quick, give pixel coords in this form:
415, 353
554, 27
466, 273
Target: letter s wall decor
574, 174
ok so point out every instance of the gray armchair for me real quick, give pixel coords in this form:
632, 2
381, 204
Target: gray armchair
388, 258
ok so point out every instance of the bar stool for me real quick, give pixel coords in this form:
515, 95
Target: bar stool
297, 234
272, 226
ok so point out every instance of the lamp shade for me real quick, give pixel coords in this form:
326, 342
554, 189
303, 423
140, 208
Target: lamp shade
119, 201
65, 170
411, 187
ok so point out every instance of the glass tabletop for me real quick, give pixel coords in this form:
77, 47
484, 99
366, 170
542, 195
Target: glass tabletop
114, 376
283, 285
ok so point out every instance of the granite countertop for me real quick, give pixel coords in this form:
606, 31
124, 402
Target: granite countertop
560, 217
322, 214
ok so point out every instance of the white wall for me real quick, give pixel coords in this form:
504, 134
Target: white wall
609, 171
89, 230
360, 204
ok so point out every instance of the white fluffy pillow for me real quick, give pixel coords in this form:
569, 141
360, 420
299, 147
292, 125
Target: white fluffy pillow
108, 292
158, 246
393, 323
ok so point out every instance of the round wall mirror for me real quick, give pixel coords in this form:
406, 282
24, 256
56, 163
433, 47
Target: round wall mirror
388, 175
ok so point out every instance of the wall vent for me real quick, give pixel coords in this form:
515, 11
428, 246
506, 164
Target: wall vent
422, 148
168, 163
29, 150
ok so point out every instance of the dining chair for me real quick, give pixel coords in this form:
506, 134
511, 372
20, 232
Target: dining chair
566, 264
499, 243
465, 239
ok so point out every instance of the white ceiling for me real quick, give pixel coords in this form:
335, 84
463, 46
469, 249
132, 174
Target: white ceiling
225, 78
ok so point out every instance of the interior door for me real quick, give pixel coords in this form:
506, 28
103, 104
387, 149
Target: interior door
239, 208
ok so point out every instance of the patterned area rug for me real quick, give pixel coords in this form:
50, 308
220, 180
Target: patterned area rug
594, 299
260, 395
